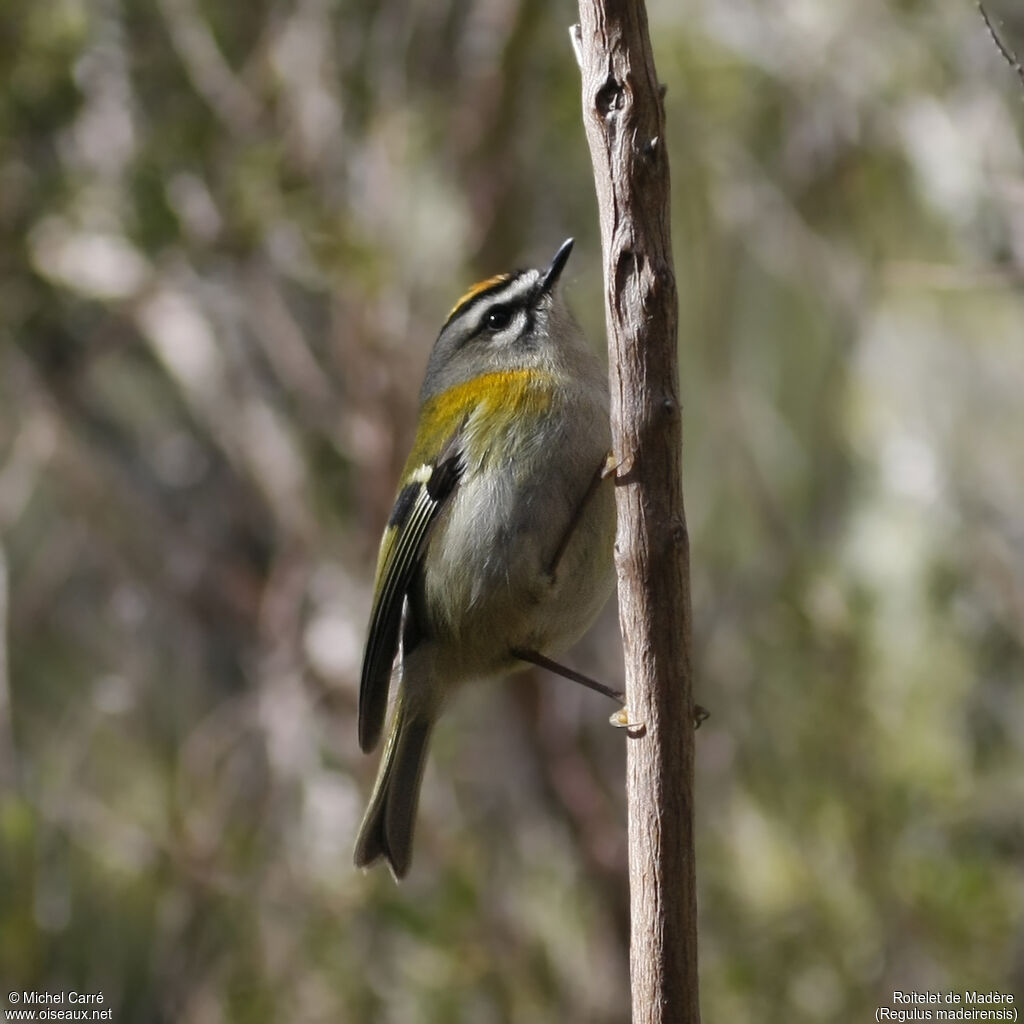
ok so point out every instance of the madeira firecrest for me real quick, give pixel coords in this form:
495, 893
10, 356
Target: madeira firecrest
498, 550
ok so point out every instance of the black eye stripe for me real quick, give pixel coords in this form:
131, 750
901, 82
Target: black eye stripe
513, 293
503, 307
476, 299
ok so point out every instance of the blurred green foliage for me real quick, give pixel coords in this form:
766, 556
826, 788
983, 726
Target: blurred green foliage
228, 235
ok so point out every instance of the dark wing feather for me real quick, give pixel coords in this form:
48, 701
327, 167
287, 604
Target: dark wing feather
417, 507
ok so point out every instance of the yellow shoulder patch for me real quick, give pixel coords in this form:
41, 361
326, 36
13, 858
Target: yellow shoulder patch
480, 286
499, 402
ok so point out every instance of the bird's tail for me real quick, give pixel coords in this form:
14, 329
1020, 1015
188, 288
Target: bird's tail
387, 826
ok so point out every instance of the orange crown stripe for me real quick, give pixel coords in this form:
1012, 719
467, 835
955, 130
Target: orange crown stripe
480, 286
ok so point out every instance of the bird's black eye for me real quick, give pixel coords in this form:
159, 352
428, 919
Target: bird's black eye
498, 318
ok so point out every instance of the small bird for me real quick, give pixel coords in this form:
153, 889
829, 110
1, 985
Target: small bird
498, 550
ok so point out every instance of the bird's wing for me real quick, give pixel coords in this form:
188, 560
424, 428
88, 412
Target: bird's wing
401, 553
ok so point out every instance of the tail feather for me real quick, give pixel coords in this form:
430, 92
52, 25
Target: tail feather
387, 827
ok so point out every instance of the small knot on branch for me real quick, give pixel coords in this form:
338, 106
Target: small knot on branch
678, 533
650, 147
625, 268
610, 97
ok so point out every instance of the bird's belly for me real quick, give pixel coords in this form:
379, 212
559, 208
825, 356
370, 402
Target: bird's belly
489, 589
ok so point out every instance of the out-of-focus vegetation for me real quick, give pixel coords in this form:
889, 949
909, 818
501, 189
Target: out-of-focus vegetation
228, 236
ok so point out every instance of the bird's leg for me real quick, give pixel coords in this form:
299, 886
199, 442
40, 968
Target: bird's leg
541, 661
608, 468
603, 472
619, 718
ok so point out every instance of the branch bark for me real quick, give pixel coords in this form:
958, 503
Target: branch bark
624, 117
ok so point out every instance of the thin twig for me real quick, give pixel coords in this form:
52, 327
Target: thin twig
1008, 55
207, 67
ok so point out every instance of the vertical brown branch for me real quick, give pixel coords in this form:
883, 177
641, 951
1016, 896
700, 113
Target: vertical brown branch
624, 118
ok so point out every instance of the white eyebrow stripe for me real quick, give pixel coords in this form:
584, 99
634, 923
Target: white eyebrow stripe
518, 289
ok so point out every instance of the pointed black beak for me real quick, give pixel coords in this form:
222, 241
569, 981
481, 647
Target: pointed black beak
554, 272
